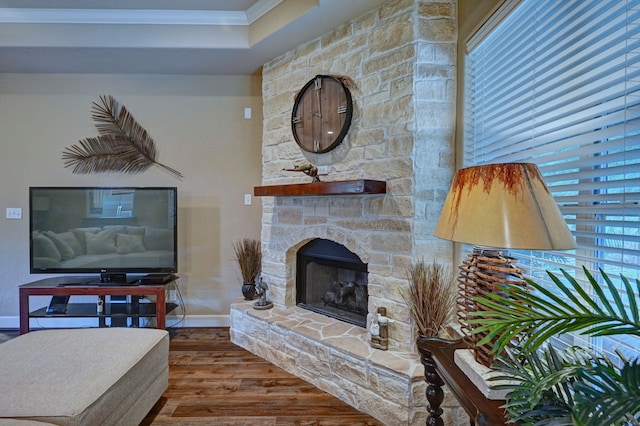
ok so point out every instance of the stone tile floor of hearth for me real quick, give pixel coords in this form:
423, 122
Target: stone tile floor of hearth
340, 335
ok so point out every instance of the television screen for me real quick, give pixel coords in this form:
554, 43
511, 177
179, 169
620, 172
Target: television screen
103, 230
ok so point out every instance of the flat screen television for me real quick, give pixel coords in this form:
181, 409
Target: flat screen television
111, 231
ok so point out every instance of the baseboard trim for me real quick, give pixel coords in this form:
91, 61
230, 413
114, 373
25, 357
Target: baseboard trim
199, 321
13, 322
8, 322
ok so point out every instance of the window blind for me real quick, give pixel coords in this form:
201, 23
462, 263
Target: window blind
558, 84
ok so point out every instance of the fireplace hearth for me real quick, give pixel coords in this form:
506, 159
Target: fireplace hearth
332, 280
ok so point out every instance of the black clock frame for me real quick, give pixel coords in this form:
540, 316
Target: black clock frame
310, 85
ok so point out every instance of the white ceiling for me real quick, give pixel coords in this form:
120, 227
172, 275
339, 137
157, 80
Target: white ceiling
209, 37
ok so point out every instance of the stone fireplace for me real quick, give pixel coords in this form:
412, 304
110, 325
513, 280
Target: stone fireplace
332, 353
332, 281
401, 58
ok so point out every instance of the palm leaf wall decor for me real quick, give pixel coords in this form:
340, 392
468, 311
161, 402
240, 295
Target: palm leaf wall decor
121, 146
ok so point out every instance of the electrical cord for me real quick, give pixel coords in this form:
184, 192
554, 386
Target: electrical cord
181, 304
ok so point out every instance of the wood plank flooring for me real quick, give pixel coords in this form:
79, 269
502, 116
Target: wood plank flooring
214, 382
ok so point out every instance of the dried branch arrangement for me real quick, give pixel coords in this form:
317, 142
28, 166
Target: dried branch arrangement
122, 145
248, 253
431, 296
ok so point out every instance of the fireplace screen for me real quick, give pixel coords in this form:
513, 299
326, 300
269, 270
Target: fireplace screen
332, 280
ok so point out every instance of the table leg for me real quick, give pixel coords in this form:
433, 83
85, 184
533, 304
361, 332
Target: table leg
161, 308
434, 392
24, 312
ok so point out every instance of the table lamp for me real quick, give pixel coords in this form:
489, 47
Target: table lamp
497, 207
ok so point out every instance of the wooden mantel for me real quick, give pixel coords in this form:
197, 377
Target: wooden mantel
343, 187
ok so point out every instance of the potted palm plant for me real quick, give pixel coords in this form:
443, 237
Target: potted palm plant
574, 386
248, 253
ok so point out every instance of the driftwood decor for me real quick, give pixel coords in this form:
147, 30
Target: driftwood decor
122, 145
306, 168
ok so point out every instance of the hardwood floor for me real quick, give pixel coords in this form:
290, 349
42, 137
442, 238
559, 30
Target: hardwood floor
214, 382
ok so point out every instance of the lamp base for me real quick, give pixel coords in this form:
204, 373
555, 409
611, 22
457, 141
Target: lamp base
486, 270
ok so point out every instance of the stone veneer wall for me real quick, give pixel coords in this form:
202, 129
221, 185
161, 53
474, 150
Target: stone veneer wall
401, 58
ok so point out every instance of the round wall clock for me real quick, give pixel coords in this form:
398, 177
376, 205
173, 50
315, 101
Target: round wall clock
321, 114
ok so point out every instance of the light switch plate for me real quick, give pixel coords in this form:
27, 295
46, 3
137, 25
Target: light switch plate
14, 213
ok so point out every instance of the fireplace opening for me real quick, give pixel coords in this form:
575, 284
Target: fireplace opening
332, 280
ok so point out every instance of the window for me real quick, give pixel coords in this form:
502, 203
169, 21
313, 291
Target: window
111, 202
558, 84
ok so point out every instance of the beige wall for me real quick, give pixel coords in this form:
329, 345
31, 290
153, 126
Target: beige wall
199, 129
471, 15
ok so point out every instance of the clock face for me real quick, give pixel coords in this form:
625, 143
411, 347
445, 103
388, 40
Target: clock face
321, 114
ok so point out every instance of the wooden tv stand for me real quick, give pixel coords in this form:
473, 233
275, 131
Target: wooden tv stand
84, 286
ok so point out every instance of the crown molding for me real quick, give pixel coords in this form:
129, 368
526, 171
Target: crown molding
136, 16
261, 8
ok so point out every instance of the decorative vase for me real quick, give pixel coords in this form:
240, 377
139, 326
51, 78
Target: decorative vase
249, 291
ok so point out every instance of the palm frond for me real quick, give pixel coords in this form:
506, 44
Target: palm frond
122, 145
543, 314
527, 401
104, 153
606, 395
115, 120
576, 386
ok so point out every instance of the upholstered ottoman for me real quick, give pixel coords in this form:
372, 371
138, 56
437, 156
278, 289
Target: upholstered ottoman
93, 376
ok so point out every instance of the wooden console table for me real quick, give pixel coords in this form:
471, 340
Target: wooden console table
81, 286
437, 356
